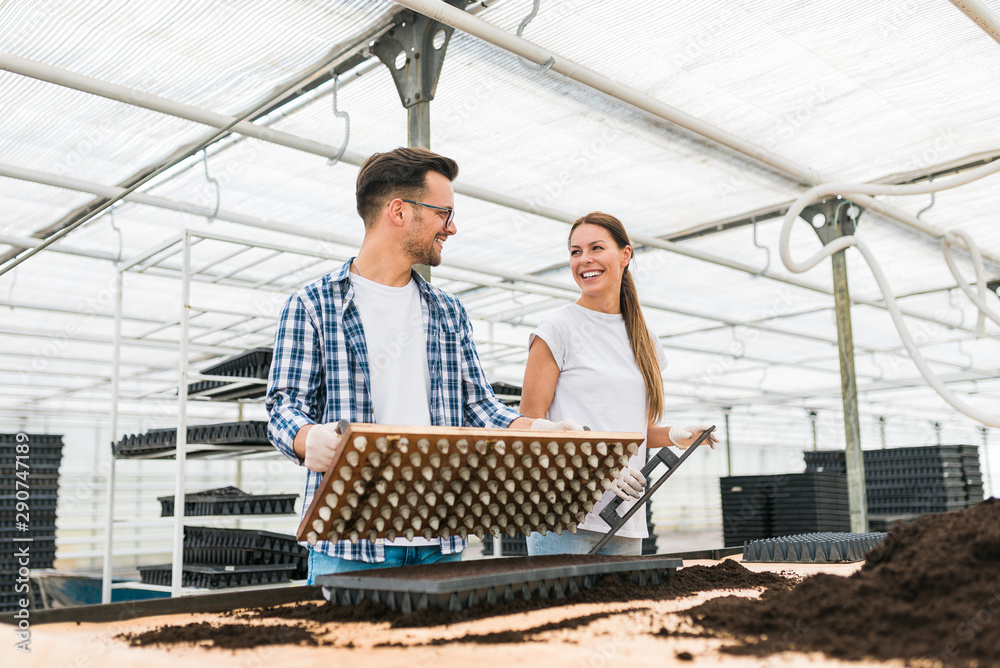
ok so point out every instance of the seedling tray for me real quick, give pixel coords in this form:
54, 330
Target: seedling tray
33, 440
230, 501
254, 363
437, 482
824, 547
204, 545
465, 584
237, 434
218, 577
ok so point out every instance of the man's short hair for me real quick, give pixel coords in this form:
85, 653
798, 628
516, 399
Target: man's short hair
401, 172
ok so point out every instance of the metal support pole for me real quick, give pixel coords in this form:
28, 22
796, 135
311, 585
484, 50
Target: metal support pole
729, 443
418, 134
418, 125
413, 51
182, 391
987, 478
109, 519
836, 223
812, 425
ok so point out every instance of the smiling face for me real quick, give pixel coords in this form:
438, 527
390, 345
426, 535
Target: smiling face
597, 262
425, 236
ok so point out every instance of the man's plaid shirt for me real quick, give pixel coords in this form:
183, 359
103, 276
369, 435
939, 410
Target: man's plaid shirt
320, 374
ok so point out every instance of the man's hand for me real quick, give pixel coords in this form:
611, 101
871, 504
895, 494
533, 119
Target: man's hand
323, 446
683, 437
629, 484
562, 425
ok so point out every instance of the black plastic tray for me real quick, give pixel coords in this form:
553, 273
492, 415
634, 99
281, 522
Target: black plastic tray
251, 432
230, 501
408, 594
254, 363
205, 545
33, 439
823, 547
218, 577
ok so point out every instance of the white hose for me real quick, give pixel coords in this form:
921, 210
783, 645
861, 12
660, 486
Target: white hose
979, 299
846, 190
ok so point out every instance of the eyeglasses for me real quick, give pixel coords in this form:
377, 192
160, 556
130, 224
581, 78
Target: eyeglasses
451, 212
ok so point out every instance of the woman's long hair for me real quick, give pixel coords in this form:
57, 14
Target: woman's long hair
639, 338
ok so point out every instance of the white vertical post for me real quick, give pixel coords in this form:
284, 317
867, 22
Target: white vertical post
987, 474
109, 518
182, 392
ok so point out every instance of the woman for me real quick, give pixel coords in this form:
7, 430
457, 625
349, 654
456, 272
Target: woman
597, 362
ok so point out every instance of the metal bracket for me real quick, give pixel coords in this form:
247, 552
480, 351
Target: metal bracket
414, 52
837, 219
671, 461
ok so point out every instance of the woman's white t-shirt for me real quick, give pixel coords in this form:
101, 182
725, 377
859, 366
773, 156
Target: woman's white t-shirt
599, 386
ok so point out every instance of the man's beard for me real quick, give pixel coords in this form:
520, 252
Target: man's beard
416, 248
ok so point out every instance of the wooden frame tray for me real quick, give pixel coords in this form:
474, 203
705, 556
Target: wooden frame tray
435, 482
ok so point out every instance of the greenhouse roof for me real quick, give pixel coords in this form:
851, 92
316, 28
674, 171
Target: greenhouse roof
127, 125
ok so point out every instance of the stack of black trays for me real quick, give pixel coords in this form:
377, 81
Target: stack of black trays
243, 547
765, 506
746, 507
219, 558
811, 502
903, 483
649, 543
972, 474
230, 501
218, 577
254, 363
38, 475
236, 434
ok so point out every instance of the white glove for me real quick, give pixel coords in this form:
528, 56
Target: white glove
629, 483
323, 446
562, 425
683, 437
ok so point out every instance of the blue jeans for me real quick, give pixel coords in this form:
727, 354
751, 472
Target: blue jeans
580, 543
324, 564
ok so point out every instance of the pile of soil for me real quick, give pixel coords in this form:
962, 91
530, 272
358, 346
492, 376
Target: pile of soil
225, 636
932, 591
310, 616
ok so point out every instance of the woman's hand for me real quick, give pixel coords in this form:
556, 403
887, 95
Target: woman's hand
629, 484
684, 437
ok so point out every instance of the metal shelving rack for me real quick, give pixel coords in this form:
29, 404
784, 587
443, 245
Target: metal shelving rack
172, 259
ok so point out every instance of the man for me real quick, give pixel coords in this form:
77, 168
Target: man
374, 342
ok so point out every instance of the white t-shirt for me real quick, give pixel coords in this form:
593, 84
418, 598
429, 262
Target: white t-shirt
599, 386
399, 378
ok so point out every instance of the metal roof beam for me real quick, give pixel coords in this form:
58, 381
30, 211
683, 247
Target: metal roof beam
480, 193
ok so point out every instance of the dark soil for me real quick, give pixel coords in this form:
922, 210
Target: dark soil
530, 635
932, 591
726, 575
225, 636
